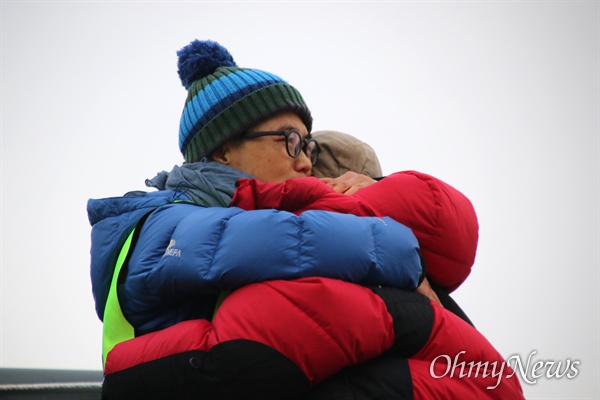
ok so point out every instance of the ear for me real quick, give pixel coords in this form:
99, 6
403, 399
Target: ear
222, 154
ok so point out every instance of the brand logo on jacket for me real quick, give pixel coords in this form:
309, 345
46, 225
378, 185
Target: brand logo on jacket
445, 366
171, 250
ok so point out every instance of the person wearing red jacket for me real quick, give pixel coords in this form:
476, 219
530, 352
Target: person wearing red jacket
445, 223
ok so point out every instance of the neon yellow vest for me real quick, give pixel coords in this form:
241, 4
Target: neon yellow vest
115, 328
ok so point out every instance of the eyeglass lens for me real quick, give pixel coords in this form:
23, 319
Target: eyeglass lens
312, 151
295, 144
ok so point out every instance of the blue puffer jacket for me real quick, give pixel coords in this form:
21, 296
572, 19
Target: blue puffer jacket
186, 254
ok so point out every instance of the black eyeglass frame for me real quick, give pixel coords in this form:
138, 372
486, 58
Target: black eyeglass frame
287, 134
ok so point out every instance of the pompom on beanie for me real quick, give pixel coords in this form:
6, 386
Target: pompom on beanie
224, 101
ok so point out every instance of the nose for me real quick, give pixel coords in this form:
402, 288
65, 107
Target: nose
302, 164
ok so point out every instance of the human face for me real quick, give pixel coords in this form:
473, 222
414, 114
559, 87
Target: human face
266, 157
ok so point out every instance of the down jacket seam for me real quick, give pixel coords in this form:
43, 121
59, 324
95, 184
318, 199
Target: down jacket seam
312, 320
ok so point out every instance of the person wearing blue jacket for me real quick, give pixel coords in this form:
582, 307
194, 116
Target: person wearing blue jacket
190, 246
163, 261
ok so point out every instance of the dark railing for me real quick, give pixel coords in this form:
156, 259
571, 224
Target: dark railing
44, 384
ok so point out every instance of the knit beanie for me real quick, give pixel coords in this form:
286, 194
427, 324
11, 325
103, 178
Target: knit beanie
224, 101
341, 152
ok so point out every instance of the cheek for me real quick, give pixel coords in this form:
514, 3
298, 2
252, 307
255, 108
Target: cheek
271, 156
273, 167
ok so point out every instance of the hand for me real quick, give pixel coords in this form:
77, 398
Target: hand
349, 183
426, 290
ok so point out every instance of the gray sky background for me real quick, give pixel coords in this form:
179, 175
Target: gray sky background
499, 99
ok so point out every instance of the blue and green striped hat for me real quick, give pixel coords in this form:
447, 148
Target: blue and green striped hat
224, 101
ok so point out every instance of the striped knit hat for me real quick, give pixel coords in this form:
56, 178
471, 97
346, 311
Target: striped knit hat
224, 101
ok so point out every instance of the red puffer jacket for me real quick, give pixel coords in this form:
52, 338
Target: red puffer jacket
279, 339
442, 218
318, 338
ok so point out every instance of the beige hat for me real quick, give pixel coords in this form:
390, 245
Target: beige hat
341, 153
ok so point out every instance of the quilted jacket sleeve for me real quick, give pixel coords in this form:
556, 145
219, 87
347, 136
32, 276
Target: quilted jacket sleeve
186, 251
441, 217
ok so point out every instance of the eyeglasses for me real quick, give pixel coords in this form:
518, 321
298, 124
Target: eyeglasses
294, 143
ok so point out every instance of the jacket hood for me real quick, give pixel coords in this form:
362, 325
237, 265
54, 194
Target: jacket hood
205, 183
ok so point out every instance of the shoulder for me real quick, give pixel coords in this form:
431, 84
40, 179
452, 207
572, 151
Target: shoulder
114, 207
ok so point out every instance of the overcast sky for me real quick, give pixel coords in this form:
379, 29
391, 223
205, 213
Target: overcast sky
498, 99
